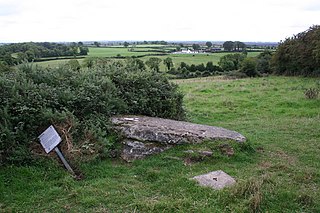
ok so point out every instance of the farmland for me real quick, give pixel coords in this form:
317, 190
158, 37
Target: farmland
145, 50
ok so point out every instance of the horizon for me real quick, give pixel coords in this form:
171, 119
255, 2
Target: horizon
120, 41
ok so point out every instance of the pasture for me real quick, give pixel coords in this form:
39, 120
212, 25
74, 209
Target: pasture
277, 169
142, 50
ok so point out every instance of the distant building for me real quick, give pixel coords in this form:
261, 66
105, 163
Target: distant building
187, 51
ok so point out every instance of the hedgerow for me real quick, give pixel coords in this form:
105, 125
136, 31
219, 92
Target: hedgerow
79, 103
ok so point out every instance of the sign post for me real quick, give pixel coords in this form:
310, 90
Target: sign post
49, 140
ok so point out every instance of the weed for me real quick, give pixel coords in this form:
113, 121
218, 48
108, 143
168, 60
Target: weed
312, 93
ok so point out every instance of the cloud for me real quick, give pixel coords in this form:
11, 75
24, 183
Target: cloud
8, 9
313, 6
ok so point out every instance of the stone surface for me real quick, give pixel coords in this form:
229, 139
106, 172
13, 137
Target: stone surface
134, 150
149, 135
165, 131
216, 179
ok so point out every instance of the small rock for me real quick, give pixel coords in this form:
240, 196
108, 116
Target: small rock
205, 153
189, 151
216, 179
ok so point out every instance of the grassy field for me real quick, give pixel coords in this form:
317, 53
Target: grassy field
195, 58
112, 52
177, 58
276, 171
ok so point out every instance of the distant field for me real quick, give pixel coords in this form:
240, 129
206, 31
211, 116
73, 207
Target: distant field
55, 63
114, 51
147, 49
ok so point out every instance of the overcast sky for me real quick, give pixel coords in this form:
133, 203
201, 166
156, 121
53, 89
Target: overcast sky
207, 20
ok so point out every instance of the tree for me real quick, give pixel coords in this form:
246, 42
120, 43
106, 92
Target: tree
97, 44
83, 50
210, 66
263, 62
135, 63
196, 46
154, 63
228, 45
299, 55
248, 66
168, 63
89, 62
239, 46
209, 44
200, 67
126, 44
231, 61
4, 67
184, 65
74, 49
74, 64
21, 56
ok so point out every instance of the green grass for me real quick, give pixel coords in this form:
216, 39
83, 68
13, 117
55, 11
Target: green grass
111, 52
281, 175
55, 63
148, 49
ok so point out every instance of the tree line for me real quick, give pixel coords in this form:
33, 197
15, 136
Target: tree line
11, 54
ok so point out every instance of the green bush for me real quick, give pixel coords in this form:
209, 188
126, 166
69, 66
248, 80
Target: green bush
79, 103
299, 54
249, 67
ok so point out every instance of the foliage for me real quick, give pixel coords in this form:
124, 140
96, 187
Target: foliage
249, 67
263, 62
168, 63
209, 44
30, 51
126, 44
33, 98
196, 46
234, 46
231, 61
299, 55
195, 70
97, 44
154, 63
74, 64
4, 67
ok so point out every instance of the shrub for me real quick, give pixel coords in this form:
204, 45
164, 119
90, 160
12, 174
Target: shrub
248, 67
79, 104
231, 62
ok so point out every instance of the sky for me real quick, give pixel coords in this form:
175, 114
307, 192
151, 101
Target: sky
169, 20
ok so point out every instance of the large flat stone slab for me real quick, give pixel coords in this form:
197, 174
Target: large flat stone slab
145, 136
166, 131
216, 179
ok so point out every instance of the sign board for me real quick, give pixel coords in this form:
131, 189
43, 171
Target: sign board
49, 139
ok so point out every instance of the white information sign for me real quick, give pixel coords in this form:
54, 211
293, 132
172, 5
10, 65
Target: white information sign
49, 139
